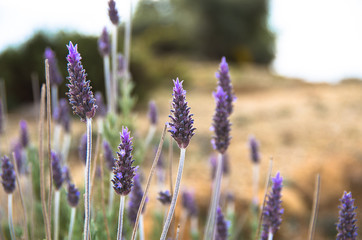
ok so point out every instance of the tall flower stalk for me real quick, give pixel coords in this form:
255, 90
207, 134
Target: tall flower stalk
83, 104
273, 211
123, 173
346, 225
182, 130
8, 179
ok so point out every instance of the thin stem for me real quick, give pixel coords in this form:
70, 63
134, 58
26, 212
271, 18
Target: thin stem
56, 137
54, 96
65, 148
111, 195
175, 194
152, 171
96, 155
141, 229
107, 81
87, 180
270, 236
114, 79
56, 214
26, 233
41, 163
210, 227
313, 218
71, 225
120, 218
10, 215
255, 183
102, 201
49, 118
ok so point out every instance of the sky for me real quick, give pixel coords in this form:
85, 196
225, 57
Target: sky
317, 40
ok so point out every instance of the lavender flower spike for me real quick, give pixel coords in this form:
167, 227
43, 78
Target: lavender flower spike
272, 214
346, 225
55, 77
221, 124
254, 150
188, 202
24, 134
135, 198
225, 83
80, 92
221, 226
57, 171
181, 122
8, 175
104, 47
152, 112
108, 155
73, 195
113, 12
164, 197
123, 170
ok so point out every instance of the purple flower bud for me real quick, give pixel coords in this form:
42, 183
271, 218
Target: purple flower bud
165, 197
24, 134
221, 226
152, 112
189, 203
66, 174
221, 124
80, 92
112, 12
8, 175
254, 150
346, 225
20, 159
123, 170
102, 109
82, 148
225, 165
225, 83
73, 195
108, 155
181, 125
61, 114
57, 171
272, 214
104, 46
55, 77
135, 198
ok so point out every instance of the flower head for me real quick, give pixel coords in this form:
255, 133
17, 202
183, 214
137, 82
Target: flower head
254, 150
152, 112
123, 170
57, 171
61, 114
346, 225
135, 198
24, 134
113, 12
189, 203
221, 124
104, 46
181, 125
165, 197
108, 155
272, 214
225, 83
80, 92
82, 148
221, 226
102, 108
8, 175
66, 174
55, 77
73, 195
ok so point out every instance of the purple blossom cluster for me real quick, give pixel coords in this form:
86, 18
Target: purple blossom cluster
164, 197
189, 203
24, 134
225, 83
254, 150
221, 226
73, 195
346, 226
181, 125
113, 12
104, 45
8, 175
58, 178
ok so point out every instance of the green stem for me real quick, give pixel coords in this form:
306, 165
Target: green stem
120, 218
56, 214
10, 215
71, 225
87, 180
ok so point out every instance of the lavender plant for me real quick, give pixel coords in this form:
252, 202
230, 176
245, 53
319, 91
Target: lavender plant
83, 104
224, 82
24, 134
221, 226
123, 173
182, 130
73, 200
346, 226
8, 182
58, 181
273, 211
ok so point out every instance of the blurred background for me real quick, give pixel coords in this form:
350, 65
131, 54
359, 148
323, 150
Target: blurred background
296, 68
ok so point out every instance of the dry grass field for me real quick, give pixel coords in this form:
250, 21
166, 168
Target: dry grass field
306, 129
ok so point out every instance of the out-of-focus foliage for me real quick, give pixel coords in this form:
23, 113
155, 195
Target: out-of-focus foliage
209, 29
